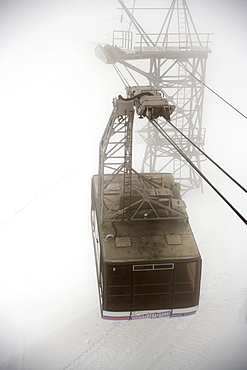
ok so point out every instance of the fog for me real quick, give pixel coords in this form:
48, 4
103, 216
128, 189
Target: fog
56, 98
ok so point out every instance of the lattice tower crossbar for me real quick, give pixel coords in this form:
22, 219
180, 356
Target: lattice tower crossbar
123, 193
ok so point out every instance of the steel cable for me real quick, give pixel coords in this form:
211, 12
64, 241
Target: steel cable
208, 157
170, 140
209, 88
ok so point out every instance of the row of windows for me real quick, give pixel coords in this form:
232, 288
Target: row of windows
167, 286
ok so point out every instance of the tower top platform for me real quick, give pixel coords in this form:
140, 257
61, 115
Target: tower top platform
113, 54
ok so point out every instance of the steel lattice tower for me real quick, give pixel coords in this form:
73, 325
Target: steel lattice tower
174, 61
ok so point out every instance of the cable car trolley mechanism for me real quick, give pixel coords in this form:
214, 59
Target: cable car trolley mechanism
147, 261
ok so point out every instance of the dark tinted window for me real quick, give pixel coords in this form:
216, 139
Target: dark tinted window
185, 285
119, 288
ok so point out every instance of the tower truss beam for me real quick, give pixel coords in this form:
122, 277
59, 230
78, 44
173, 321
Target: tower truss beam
174, 61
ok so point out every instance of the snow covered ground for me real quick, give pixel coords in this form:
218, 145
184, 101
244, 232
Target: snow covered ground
63, 330
56, 99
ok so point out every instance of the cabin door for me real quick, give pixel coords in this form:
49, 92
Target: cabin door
152, 286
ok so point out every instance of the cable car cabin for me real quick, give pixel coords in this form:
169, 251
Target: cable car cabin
147, 267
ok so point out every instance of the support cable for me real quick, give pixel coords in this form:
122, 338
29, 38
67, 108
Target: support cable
122, 78
209, 88
169, 139
127, 69
133, 8
147, 40
207, 156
